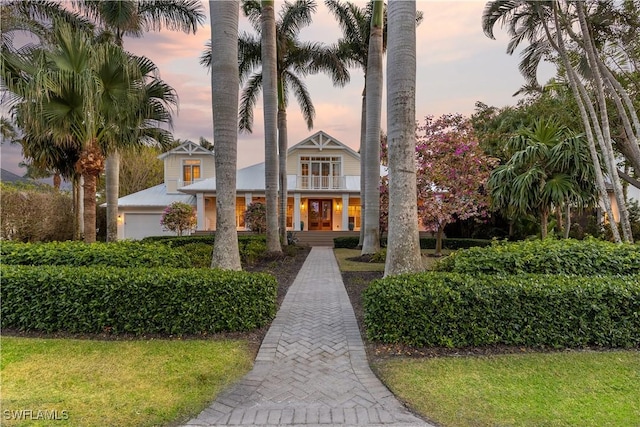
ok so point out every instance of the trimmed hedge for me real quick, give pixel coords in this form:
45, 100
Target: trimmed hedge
209, 239
135, 300
351, 242
455, 310
118, 254
549, 256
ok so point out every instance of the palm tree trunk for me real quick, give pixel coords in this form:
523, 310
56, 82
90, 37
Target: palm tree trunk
544, 220
89, 201
112, 168
282, 148
224, 100
608, 148
270, 108
374, 80
582, 99
363, 162
77, 214
57, 180
628, 146
403, 247
559, 219
567, 224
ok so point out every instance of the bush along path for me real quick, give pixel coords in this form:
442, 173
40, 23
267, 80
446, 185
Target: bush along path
311, 368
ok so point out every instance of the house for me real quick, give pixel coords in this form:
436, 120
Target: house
323, 180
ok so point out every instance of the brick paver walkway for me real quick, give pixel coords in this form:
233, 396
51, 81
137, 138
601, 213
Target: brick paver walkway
311, 368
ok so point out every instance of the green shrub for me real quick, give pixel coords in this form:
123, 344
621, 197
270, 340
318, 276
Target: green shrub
35, 213
351, 242
118, 254
135, 300
455, 310
199, 254
550, 256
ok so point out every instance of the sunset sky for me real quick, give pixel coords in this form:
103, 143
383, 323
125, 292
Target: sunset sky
457, 65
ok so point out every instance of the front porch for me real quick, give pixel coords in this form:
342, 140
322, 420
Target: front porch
305, 212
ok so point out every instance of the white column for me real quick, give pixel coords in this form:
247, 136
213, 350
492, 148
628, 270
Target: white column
345, 212
296, 212
200, 211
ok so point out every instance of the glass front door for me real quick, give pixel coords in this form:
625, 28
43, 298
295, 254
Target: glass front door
320, 214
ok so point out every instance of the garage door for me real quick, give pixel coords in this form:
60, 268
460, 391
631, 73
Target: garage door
138, 226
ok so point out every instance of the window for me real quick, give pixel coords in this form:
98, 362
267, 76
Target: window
240, 210
190, 171
321, 172
290, 212
354, 214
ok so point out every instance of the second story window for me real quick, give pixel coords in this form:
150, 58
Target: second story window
190, 171
321, 172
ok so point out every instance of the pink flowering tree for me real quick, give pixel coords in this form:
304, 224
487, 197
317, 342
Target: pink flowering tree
452, 171
178, 217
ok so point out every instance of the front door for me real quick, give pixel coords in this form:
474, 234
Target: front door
320, 214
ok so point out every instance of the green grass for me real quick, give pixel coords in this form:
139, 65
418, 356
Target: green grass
345, 265
544, 389
116, 383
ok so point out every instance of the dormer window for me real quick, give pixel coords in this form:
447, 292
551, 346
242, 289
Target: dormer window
190, 171
321, 172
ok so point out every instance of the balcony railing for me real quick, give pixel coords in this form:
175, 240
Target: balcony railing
305, 182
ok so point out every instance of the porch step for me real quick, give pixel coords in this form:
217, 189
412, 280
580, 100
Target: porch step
321, 238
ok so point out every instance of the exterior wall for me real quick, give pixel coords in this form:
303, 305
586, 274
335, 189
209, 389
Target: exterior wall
173, 169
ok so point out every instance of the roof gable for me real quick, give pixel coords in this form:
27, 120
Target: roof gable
190, 148
322, 141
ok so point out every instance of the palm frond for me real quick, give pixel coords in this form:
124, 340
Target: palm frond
302, 96
252, 9
177, 15
295, 16
498, 10
248, 101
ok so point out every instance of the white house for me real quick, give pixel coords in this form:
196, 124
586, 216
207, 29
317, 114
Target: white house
323, 189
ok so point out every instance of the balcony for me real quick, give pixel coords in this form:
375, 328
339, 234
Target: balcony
306, 182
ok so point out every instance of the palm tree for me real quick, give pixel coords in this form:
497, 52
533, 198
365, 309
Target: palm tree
550, 167
133, 18
403, 244
89, 97
224, 102
546, 25
353, 48
295, 59
65, 100
371, 173
270, 108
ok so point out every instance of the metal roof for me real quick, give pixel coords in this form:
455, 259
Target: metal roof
154, 196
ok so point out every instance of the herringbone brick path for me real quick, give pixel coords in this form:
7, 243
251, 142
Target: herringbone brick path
311, 368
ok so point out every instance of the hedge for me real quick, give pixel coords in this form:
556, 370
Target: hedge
549, 256
210, 239
135, 300
456, 310
118, 254
351, 242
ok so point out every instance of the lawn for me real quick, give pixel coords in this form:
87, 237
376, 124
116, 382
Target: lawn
342, 255
534, 389
572, 388
115, 383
